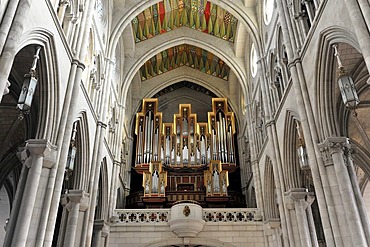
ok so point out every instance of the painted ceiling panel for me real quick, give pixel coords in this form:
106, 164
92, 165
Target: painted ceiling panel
184, 55
197, 14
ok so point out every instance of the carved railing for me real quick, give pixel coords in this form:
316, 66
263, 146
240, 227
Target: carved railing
208, 215
143, 215
230, 214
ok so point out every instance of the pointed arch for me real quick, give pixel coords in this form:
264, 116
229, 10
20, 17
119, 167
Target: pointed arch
327, 123
49, 111
101, 209
269, 193
291, 169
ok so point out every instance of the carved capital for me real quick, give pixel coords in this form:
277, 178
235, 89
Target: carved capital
272, 223
39, 147
334, 145
298, 194
73, 197
102, 227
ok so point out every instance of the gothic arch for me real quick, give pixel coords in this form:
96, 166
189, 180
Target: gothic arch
48, 82
291, 169
81, 170
270, 204
160, 46
101, 211
325, 108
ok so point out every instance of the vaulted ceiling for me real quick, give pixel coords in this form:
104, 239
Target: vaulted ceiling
169, 15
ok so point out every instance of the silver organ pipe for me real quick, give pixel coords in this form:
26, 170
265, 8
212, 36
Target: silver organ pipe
146, 145
163, 152
220, 140
231, 144
178, 143
203, 153
140, 145
214, 144
208, 151
185, 142
224, 139
192, 154
168, 150
156, 141
151, 126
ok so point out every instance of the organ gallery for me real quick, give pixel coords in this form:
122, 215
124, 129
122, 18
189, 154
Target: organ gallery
185, 159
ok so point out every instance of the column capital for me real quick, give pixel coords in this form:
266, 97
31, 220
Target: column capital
334, 145
74, 197
101, 225
272, 223
298, 194
39, 147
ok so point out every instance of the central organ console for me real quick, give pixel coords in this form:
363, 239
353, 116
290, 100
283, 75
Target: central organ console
185, 159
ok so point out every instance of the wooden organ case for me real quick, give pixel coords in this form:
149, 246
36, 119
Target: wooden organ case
186, 159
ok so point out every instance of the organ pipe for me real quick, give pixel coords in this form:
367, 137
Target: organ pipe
185, 142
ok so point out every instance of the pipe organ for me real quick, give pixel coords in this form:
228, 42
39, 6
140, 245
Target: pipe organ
193, 158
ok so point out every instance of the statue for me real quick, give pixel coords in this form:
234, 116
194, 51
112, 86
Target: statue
162, 187
216, 180
147, 186
155, 177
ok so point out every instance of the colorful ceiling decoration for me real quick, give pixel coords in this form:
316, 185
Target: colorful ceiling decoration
197, 14
184, 55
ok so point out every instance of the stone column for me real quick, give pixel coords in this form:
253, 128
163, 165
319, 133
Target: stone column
296, 199
311, 222
41, 154
75, 198
334, 150
272, 230
100, 233
63, 221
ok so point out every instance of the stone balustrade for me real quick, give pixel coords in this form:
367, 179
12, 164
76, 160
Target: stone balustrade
208, 215
142, 215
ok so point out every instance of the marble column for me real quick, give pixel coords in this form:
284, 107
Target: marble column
75, 198
334, 152
41, 155
296, 200
100, 233
272, 231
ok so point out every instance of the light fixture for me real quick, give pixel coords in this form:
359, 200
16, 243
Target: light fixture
346, 85
302, 151
29, 85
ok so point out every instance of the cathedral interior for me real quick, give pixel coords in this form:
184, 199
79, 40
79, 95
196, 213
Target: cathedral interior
185, 123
